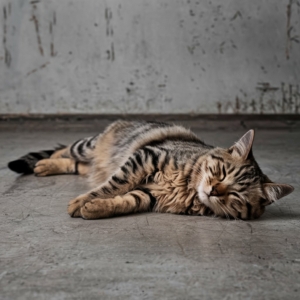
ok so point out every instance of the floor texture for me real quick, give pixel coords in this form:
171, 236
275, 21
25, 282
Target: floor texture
45, 254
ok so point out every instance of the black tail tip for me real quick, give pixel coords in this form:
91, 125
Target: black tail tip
20, 166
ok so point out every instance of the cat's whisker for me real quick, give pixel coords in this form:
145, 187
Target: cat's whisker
224, 210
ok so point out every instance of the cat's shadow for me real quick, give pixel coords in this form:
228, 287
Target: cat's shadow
26, 180
280, 215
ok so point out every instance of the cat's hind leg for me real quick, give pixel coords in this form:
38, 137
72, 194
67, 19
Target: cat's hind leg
81, 152
133, 202
56, 166
73, 159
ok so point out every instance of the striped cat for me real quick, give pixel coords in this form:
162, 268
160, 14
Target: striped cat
150, 166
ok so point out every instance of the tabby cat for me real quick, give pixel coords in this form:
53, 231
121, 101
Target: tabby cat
151, 166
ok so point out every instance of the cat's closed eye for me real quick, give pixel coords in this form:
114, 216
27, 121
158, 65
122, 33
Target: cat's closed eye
233, 194
223, 174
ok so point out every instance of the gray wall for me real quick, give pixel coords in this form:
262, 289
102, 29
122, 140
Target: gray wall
149, 56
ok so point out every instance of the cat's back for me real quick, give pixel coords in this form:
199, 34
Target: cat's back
131, 136
122, 138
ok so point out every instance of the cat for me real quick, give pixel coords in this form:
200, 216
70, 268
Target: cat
153, 166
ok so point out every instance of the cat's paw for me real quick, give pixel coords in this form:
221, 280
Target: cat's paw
44, 167
89, 209
96, 209
75, 205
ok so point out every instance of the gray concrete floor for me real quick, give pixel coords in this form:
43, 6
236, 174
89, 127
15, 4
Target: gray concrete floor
45, 254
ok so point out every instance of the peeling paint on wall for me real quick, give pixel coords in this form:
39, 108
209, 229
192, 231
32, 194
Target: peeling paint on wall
270, 99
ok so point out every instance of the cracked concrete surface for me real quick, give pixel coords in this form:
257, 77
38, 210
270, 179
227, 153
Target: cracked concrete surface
45, 254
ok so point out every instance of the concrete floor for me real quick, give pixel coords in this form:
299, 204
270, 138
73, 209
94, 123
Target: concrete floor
45, 254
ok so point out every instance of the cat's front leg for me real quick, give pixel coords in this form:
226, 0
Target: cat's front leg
76, 204
141, 164
132, 202
113, 187
116, 185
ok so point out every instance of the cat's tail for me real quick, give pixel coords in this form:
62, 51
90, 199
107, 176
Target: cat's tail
26, 163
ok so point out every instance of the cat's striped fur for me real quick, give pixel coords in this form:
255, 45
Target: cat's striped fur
151, 166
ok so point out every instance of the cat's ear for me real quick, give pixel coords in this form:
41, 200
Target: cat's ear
275, 191
243, 147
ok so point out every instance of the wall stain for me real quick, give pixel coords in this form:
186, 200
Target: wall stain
108, 18
51, 25
36, 26
192, 13
54, 18
111, 53
290, 28
195, 44
221, 47
236, 15
7, 55
109, 33
271, 99
39, 68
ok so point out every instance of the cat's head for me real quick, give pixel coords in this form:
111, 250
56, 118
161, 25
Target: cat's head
232, 185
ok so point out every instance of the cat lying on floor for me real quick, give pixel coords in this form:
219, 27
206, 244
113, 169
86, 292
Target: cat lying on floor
151, 166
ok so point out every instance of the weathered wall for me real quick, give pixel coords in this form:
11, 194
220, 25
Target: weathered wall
149, 56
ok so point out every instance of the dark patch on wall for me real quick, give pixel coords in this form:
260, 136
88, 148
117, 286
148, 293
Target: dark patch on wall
7, 55
111, 53
108, 18
238, 14
36, 69
35, 20
290, 98
271, 99
54, 18
51, 31
109, 33
291, 36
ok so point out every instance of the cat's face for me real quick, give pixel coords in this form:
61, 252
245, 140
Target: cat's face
232, 185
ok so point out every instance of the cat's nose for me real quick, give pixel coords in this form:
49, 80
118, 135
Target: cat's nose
214, 191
